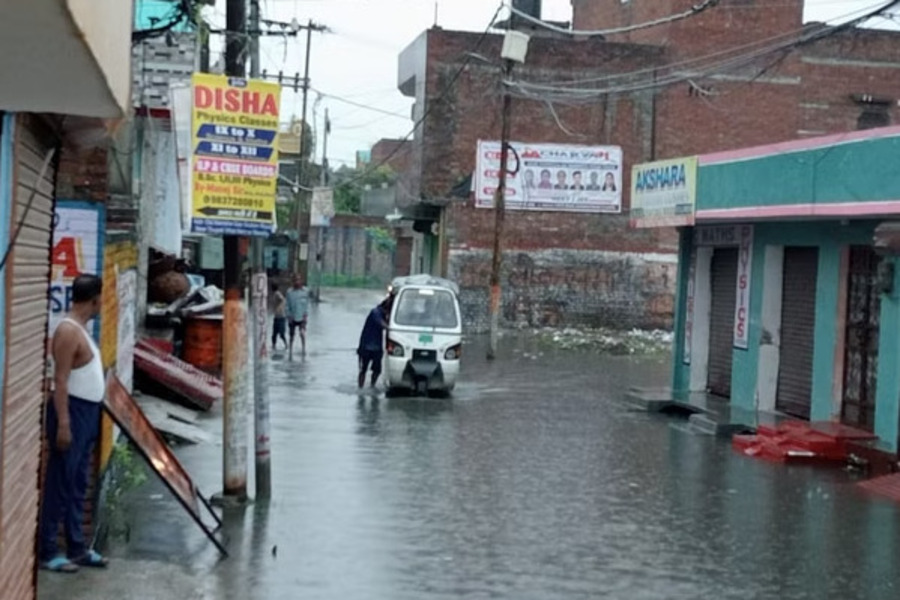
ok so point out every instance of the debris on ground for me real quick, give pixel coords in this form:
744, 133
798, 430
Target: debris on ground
158, 371
171, 420
606, 341
174, 293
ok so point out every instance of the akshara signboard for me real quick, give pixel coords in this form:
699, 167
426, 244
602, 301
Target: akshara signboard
663, 193
552, 177
234, 172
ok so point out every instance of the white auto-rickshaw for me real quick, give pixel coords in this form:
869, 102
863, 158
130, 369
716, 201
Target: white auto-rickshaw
424, 339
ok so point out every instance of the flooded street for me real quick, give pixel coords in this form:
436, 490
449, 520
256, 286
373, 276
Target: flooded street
532, 482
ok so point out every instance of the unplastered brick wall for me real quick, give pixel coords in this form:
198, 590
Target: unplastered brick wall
83, 173
584, 269
812, 90
726, 23
468, 110
567, 288
563, 269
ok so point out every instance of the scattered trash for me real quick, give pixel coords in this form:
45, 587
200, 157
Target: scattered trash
172, 420
607, 341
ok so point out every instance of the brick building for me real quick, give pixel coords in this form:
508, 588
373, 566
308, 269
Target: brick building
771, 79
392, 153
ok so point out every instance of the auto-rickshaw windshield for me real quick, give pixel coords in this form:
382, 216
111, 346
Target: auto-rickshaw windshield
426, 307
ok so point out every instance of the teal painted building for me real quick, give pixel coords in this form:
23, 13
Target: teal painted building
787, 300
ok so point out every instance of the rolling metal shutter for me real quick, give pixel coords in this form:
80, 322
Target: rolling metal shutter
798, 324
27, 280
723, 274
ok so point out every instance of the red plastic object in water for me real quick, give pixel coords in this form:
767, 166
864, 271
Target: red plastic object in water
800, 442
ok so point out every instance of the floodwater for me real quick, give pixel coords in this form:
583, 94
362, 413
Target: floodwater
532, 482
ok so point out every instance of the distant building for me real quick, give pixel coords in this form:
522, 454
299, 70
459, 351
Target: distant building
363, 158
394, 154
583, 268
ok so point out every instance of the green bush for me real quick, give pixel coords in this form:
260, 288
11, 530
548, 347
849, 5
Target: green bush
339, 280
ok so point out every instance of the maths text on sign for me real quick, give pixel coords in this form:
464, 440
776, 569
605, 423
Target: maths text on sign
717, 235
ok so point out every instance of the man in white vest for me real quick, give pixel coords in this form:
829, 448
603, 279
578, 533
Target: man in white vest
73, 425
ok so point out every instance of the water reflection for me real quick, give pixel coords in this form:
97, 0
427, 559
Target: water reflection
367, 412
420, 408
530, 483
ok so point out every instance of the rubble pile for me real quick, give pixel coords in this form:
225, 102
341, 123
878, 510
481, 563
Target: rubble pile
607, 341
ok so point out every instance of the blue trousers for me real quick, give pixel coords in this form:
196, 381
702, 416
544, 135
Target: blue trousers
67, 479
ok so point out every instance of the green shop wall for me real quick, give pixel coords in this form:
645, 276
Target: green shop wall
887, 391
830, 237
681, 373
849, 172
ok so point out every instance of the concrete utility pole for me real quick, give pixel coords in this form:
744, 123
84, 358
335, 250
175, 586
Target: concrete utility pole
515, 48
320, 231
326, 133
499, 216
234, 341
310, 27
259, 290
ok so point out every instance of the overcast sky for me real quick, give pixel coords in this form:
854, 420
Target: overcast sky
358, 61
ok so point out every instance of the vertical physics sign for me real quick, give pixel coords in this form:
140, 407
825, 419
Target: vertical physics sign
234, 172
742, 300
741, 236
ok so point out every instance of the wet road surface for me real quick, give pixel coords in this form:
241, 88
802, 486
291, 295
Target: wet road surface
532, 482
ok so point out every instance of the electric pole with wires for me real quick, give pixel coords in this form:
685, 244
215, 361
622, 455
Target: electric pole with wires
321, 232
234, 342
515, 47
259, 309
302, 157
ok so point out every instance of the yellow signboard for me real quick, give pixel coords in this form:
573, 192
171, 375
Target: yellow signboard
234, 137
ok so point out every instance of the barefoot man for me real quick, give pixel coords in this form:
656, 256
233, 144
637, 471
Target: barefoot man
298, 312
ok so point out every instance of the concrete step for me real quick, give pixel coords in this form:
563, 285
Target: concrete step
648, 400
711, 424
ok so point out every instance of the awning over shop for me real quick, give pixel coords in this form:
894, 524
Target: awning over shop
849, 175
67, 57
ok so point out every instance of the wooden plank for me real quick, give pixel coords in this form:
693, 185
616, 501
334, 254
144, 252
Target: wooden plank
176, 411
180, 431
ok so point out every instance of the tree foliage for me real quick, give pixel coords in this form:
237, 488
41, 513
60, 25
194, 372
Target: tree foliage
349, 185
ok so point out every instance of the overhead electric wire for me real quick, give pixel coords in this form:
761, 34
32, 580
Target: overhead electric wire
182, 11
34, 190
361, 105
694, 10
430, 106
792, 35
574, 95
